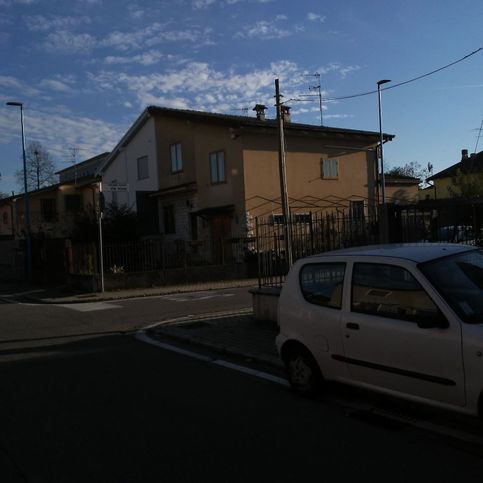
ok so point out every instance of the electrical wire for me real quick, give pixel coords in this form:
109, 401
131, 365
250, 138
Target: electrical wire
427, 74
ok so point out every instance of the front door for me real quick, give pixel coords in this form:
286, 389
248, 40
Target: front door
385, 347
220, 235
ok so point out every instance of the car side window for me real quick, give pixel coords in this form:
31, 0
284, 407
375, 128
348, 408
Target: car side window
321, 283
390, 291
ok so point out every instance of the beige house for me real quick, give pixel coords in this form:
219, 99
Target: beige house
55, 209
467, 172
401, 190
195, 175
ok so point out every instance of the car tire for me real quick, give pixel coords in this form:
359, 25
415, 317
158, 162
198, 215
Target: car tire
303, 372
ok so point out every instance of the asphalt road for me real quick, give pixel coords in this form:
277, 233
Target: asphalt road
111, 409
21, 322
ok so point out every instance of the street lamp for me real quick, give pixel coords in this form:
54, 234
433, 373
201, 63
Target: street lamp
27, 205
383, 183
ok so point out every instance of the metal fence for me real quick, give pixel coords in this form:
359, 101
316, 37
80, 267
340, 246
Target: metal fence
310, 234
158, 254
455, 222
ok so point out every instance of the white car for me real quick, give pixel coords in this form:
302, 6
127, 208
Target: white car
405, 320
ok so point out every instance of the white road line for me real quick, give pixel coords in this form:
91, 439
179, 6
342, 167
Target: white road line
143, 337
89, 306
252, 372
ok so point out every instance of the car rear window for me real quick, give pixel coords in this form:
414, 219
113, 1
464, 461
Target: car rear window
321, 283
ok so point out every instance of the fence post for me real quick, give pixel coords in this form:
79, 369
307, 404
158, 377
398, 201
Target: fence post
259, 261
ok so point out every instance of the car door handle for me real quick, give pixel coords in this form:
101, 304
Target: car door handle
352, 325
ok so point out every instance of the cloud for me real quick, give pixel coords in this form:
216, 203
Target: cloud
148, 58
11, 83
338, 68
265, 30
8, 3
314, 17
199, 4
67, 42
64, 41
56, 85
199, 86
41, 23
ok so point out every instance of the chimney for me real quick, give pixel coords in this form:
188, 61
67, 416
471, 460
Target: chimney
464, 154
260, 110
286, 113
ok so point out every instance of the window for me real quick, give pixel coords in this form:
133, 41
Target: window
390, 291
73, 203
176, 158
48, 209
169, 219
143, 168
217, 167
329, 168
321, 283
5, 218
459, 280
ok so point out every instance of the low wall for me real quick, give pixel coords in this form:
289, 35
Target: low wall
265, 303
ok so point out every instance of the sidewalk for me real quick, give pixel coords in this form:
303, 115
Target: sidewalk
237, 334
65, 295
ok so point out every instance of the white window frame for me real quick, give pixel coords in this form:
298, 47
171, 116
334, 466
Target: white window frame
143, 168
176, 157
217, 167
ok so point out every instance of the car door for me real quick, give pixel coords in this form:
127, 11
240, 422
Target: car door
384, 345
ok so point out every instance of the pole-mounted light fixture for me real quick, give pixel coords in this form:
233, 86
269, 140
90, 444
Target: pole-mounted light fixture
28, 234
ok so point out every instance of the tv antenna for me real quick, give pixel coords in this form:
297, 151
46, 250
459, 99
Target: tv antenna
317, 88
479, 135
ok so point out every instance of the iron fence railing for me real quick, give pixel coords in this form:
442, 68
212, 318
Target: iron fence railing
315, 233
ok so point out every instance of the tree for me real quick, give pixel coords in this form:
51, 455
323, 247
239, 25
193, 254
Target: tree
467, 185
412, 169
40, 168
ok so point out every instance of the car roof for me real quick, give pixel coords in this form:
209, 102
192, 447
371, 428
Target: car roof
416, 252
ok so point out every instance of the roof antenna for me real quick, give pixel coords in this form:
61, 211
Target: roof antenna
479, 135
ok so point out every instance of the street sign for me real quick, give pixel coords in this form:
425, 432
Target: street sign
115, 187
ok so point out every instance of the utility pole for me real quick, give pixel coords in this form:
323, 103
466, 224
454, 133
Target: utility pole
283, 181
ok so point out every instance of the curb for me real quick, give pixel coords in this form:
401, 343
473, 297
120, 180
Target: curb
151, 333
89, 298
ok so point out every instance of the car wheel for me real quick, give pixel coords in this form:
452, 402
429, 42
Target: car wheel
303, 373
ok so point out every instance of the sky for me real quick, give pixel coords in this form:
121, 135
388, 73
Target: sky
85, 69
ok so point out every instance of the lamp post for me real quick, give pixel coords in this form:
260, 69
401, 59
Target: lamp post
26, 196
383, 183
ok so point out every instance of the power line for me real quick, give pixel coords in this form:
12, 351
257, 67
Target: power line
427, 74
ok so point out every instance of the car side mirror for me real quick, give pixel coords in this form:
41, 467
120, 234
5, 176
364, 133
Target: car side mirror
436, 321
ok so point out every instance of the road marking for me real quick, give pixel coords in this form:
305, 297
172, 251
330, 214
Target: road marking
252, 372
143, 337
195, 296
89, 306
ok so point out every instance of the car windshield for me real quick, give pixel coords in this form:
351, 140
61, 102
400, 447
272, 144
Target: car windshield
459, 279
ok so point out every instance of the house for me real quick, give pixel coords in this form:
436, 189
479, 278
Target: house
463, 179
195, 175
53, 209
401, 189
